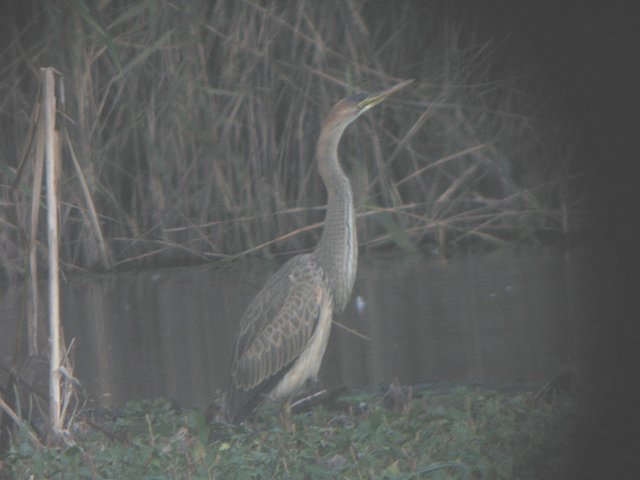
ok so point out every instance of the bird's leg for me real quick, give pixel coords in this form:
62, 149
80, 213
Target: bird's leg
287, 420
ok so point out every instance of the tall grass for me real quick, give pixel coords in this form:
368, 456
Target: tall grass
194, 124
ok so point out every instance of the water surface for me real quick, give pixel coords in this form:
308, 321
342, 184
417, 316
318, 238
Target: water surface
510, 316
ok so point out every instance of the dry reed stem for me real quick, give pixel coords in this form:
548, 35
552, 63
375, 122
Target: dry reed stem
186, 121
105, 257
439, 162
20, 422
34, 297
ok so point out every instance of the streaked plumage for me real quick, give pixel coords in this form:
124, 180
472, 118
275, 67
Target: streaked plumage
283, 334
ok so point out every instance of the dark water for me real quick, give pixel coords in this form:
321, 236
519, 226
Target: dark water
505, 317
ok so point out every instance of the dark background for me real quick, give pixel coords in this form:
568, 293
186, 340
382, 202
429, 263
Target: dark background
592, 53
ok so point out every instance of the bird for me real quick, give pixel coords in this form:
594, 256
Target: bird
283, 333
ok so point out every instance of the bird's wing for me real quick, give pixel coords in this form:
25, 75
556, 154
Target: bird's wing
278, 324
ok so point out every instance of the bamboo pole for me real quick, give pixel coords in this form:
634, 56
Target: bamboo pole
49, 109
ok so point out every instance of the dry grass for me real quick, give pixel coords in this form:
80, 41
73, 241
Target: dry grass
190, 129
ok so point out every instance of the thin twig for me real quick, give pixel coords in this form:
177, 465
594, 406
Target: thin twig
352, 331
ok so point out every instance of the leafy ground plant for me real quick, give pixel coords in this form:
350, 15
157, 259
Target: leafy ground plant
405, 433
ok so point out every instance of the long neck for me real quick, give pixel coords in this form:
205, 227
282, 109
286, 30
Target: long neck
337, 250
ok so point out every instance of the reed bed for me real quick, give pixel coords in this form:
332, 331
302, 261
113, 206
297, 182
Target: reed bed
189, 129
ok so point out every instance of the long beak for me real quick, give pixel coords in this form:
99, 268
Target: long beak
377, 97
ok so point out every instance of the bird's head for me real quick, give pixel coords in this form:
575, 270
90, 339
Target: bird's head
350, 108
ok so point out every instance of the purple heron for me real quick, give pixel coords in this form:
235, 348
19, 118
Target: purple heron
283, 333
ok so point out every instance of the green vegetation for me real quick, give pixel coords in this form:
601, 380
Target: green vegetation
437, 434
191, 127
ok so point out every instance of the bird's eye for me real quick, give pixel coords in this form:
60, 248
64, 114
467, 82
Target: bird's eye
358, 97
